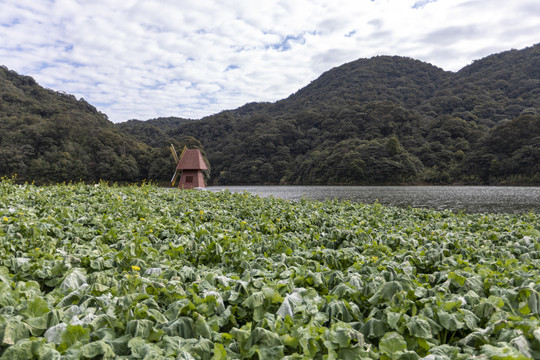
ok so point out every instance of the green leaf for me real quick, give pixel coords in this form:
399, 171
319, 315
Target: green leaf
183, 326
54, 333
141, 349
354, 353
393, 318
450, 352
485, 309
470, 320
338, 309
392, 344
30, 349
451, 305
202, 328
139, 328
176, 346
265, 352
97, 348
37, 326
309, 340
203, 348
373, 328
254, 300
74, 279
409, 355
495, 300
449, 321
288, 305
260, 336
386, 292
531, 300
36, 307
522, 345
457, 279
72, 335
289, 340
502, 352
419, 327
12, 332
536, 334
423, 344
219, 352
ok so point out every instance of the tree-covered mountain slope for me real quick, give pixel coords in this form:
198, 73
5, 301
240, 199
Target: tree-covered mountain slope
496, 88
383, 120
48, 136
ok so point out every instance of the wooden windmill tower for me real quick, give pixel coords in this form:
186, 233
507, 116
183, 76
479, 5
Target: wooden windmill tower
189, 167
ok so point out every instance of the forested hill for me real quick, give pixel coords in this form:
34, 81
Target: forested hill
403, 81
384, 120
48, 136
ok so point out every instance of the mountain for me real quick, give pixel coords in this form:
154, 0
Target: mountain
384, 120
402, 81
49, 136
498, 87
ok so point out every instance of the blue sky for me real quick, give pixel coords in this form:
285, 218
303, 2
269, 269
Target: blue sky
141, 59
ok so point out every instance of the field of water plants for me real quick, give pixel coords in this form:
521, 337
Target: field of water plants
140, 272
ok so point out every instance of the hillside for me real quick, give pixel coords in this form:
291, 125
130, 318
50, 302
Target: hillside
48, 136
402, 81
388, 120
498, 87
384, 120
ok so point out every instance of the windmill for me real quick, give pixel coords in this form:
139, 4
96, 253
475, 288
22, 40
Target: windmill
189, 167
176, 161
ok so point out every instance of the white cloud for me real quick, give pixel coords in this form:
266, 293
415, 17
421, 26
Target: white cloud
191, 58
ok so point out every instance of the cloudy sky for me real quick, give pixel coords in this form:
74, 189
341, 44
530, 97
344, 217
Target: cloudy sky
141, 59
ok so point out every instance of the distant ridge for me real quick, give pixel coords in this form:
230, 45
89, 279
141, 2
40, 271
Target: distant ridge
48, 136
384, 120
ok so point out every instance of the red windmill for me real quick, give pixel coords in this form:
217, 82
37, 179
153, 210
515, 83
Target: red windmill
191, 165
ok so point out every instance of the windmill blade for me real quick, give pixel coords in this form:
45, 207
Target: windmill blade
174, 154
183, 151
175, 175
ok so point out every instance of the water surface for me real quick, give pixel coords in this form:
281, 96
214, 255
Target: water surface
472, 199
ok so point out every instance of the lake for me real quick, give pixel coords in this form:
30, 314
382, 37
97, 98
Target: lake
471, 199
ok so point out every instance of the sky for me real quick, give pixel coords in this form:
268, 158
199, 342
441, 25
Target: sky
142, 59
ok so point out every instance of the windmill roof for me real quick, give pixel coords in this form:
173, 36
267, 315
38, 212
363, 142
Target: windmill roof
192, 160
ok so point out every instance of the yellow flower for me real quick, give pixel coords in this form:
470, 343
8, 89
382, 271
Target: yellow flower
135, 268
5, 218
143, 219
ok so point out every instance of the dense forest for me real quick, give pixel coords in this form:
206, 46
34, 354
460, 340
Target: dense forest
48, 136
384, 120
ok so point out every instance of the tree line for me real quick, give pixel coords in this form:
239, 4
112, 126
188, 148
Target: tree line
384, 120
